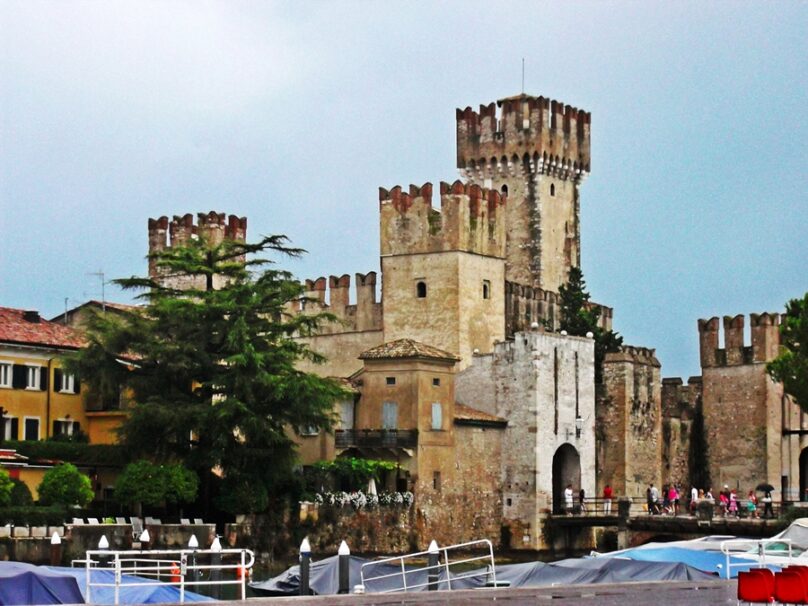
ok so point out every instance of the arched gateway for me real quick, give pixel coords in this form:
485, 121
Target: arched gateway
566, 470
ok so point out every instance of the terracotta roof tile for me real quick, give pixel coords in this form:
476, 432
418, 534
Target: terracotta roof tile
14, 328
406, 348
467, 413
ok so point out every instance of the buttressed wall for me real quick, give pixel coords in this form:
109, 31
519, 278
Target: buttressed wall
443, 270
538, 151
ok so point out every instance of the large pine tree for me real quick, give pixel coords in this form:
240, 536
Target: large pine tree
579, 317
212, 371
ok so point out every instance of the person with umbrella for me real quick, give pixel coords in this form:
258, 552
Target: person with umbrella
767, 489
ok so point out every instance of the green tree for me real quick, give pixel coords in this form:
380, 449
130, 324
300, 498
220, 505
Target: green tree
791, 366
579, 317
213, 370
65, 485
20, 494
147, 483
6, 486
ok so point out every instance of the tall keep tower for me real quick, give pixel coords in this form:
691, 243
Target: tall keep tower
535, 150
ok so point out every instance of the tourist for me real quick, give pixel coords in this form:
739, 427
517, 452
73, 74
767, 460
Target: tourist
723, 501
654, 499
733, 503
673, 499
582, 501
768, 512
568, 499
666, 501
607, 500
751, 504
694, 499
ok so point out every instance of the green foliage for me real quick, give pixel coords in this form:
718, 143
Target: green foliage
213, 371
33, 516
579, 317
20, 494
65, 485
150, 484
242, 495
353, 472
791, 366
71, 452
6, 487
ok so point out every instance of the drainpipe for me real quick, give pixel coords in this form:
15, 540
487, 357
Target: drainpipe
48, 400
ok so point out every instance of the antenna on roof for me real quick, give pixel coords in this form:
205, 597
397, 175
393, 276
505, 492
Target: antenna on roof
523, 75
66, 311
100, 274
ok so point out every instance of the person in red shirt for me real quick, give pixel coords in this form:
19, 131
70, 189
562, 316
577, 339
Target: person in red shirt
607, 500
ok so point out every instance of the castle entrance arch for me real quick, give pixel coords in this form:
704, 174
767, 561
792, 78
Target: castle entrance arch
803, 475
566, 470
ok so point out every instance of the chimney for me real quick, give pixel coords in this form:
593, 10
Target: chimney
31, 315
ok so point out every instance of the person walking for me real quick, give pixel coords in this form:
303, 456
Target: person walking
751, 504
694, 499
654, 499
607, 500
768, 512
582, 501
568, 499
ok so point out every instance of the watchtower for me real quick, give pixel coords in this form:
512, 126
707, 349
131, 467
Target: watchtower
535, 150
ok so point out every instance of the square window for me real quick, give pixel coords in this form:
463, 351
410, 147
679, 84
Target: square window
436, 382
309, 430
391, 380
68, 384
11, 428
5, 374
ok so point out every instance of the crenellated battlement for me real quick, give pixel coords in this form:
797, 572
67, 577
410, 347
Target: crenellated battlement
470, 219
635, 355
333, 296
212, 226
527, 134
765, 329
527, 304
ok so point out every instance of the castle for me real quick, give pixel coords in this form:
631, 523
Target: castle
460, 375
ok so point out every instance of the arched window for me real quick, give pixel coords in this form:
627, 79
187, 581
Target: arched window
504, 190
552, 189
486, 289
420, 290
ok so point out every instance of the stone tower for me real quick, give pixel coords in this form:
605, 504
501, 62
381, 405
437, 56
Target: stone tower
443, 270
213, 227
536, 151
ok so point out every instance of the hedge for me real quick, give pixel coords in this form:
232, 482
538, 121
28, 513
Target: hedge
71, 452
33, 516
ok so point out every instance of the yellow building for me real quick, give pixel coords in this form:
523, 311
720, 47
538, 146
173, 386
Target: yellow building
37, 399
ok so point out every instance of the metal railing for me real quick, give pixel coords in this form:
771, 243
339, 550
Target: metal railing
443, 564
376, 438
176, 564
760, 551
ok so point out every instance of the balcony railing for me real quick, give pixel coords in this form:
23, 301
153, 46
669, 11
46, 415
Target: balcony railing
376, 438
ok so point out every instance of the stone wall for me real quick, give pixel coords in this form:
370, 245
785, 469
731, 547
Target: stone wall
680, 405
537, 383
630, 422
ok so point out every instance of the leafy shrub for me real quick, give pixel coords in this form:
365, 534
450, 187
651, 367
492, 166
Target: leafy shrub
54, 515
21, 494
362, 500
242, 496
71, 452
352, 472
65, 485
151, 484
6, 486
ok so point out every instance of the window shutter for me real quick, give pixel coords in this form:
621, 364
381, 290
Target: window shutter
43, 378
76, 385
15, 428
76, 427
57, 380
56, 429
19, 379
437, 416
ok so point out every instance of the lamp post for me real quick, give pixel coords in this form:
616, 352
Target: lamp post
305, 563
579, 425
193, 544
55, 549
103, 545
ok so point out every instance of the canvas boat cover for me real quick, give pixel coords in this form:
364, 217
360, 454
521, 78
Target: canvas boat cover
323, 576
139, 594
22, 583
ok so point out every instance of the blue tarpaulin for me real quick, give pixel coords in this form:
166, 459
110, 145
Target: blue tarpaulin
137, 594
28, 584
708, 561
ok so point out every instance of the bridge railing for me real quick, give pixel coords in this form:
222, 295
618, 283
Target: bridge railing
639, 506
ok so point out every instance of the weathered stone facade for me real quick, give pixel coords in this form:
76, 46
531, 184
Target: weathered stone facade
629, 422
541, 383
680, 406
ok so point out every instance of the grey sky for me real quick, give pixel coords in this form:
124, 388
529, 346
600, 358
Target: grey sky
293, 114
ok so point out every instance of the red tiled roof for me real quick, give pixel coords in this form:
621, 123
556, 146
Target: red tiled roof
406, 348
469, 414
14, 328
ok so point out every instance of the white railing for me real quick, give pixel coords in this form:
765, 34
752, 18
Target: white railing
443, 563
744, 547
175, 564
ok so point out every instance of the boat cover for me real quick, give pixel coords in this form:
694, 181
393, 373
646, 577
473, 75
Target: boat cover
323, 577
143, 594
22, 583
706, 561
